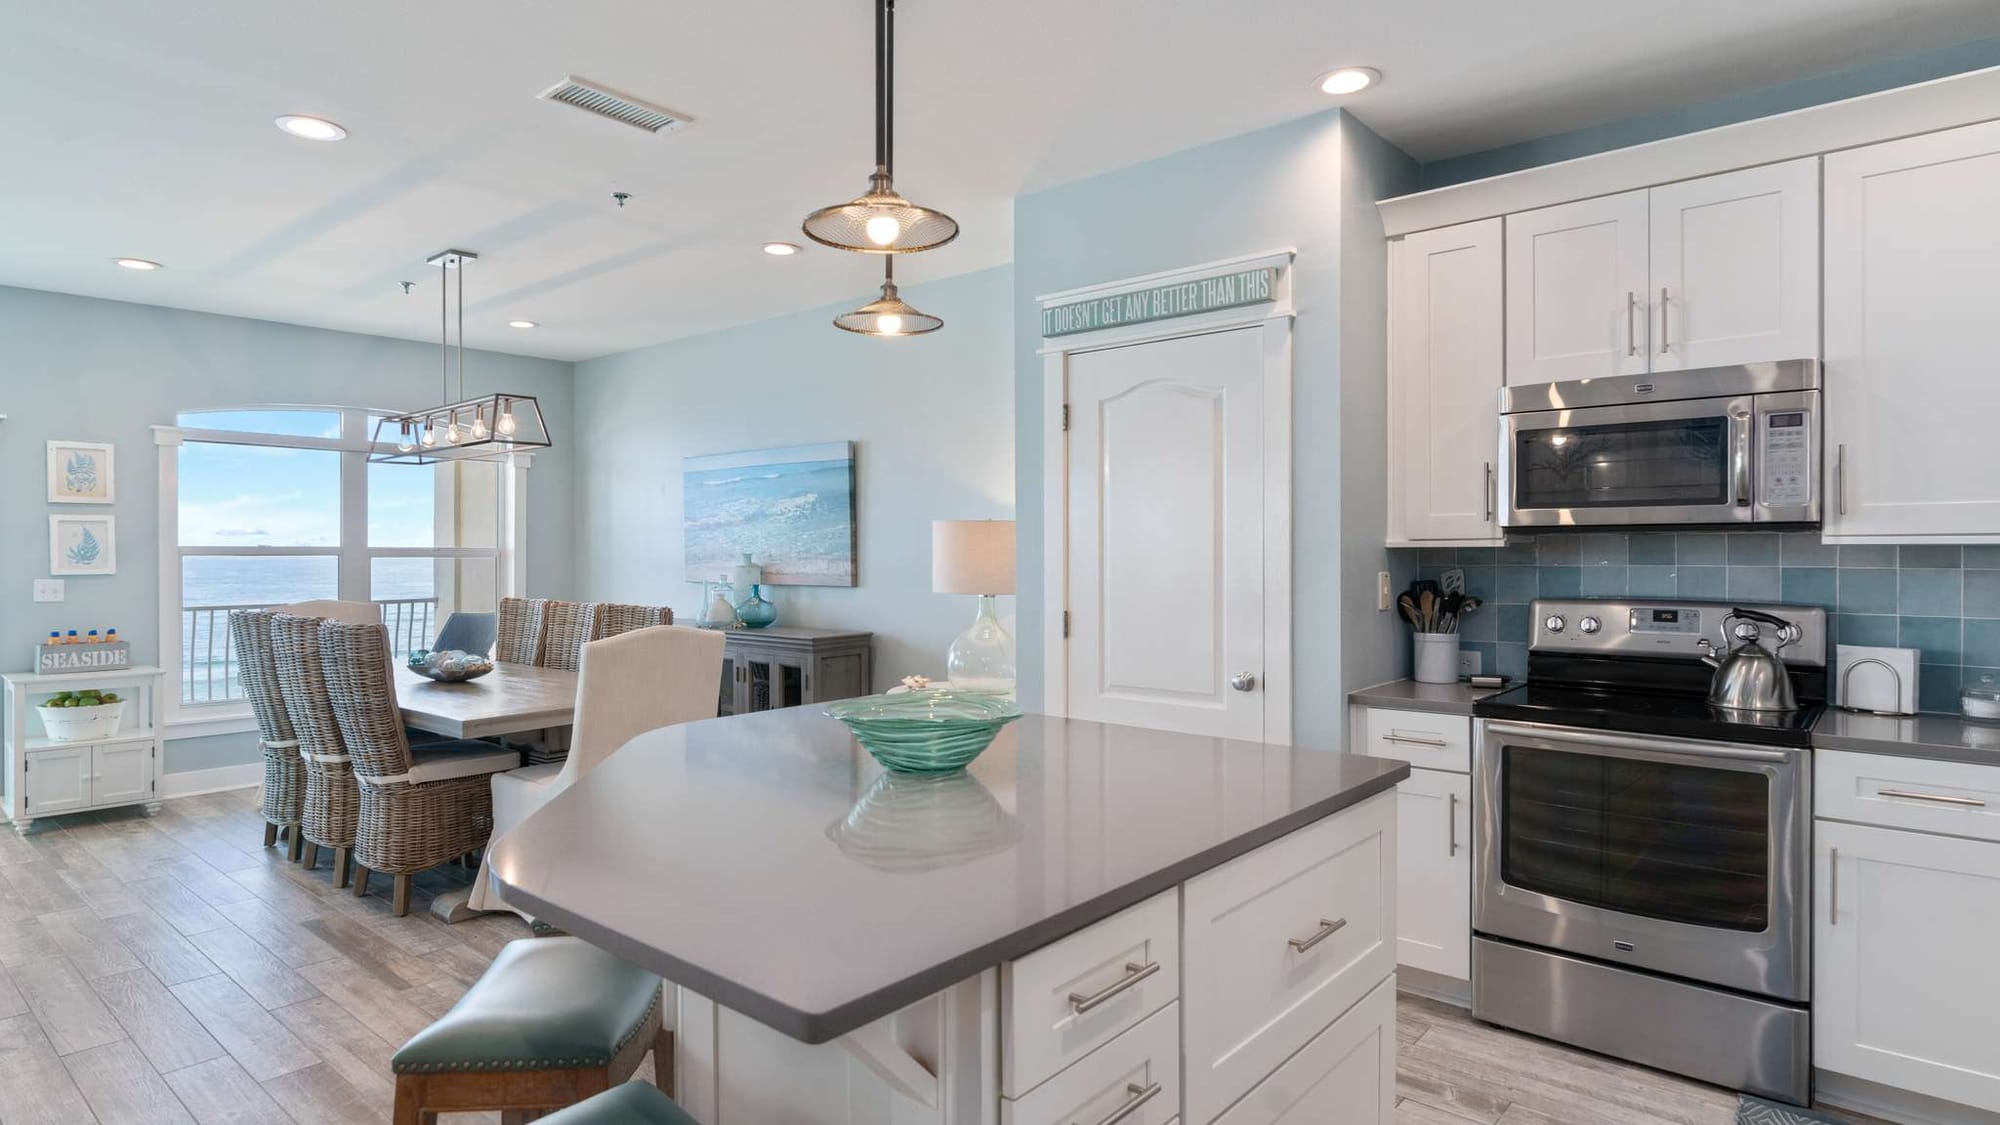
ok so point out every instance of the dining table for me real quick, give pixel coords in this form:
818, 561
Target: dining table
511, 699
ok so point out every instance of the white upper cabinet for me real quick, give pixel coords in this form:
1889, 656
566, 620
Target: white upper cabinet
1735, 267
1704, 273
1912, 282
1445, 372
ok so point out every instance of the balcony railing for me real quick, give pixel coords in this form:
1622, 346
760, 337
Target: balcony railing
209, 672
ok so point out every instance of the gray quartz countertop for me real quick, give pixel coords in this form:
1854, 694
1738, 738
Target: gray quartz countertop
1947, 737
1409, 695
768, 863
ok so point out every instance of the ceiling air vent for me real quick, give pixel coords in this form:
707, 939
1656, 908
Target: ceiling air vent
606, 102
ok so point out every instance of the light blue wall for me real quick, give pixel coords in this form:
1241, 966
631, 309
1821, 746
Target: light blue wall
91, 370
1782, 98
1276, 188
931, 417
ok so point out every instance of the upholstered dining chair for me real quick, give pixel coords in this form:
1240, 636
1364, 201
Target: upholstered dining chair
614, 618
630, 683
284, 771
419, 806
569, 626
467, 632
518, 635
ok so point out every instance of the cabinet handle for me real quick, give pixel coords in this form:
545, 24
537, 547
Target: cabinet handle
1940, 798
1487, 492
1135, 1096
1840, 479
1134, 973
1631, 310
1663, 320
1327, 928
1413, 740
1833, 887
1451, 823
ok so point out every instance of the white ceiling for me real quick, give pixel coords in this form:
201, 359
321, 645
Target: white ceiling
143, 129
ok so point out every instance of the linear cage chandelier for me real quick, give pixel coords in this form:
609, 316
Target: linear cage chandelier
484, 428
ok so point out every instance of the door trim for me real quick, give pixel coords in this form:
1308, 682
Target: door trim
1275, 318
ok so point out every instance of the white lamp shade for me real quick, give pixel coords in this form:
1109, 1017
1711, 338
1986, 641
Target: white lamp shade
972, 556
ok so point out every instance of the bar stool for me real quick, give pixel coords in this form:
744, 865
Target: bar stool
634, 1103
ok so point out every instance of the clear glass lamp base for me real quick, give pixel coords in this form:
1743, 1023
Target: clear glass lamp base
982, 658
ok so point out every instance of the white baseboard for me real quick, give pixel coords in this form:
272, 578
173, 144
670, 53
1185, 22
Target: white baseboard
1890, 1104
1433, 986
192, 783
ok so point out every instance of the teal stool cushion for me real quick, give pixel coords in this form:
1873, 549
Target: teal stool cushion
634, 1103
544, 1004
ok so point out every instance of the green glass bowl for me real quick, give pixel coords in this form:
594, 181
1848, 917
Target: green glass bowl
925, 731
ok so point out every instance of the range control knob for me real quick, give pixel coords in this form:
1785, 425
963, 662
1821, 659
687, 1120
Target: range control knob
1590, 625
1555, 623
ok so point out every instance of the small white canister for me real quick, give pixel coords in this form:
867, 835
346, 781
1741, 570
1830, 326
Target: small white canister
1437, 657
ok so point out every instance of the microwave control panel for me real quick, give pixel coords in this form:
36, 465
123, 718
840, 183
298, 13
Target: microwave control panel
1787, 452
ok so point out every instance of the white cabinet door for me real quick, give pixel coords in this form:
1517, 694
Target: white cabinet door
1445, 371
1434, 873
122, 773
1735, 267
1903, 985
1345, 1076
1912, 282
1577, 291
58, 780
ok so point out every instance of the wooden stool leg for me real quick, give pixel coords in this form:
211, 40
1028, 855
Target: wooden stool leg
311, 859
342, 857
663, 1061
410, 1101
296, 847
360, 881
270, 834
400, 902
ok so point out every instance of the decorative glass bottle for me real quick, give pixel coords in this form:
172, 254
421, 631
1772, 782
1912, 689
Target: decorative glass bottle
717, 612
756, 611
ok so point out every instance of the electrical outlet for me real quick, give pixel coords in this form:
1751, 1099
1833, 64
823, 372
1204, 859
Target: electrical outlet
48, 589
1382, 589
1468, 663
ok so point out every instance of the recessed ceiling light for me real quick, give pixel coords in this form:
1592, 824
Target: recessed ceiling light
521, 324
137, 263
781, 249
311, 128
1347, 80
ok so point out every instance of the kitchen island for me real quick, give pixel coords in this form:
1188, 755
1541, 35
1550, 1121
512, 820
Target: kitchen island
1043, 938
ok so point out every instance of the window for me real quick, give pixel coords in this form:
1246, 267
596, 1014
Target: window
266, 506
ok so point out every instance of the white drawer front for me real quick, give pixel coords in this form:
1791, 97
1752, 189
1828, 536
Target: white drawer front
1118, 972
1253, 996
1435, 742
1345, 1076
1137, 1075
1957, 798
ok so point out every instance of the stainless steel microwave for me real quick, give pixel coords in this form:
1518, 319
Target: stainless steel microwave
1716, 446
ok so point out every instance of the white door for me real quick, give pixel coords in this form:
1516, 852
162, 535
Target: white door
1735, 265
1904, 991
1445, 369
1577, 291
1912, 285
121, 773
1166, 534
1434, 873
58, 780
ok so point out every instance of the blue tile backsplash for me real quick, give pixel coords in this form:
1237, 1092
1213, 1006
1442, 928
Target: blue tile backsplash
1940, 599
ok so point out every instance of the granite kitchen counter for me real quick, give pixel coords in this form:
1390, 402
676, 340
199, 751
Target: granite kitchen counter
1409, 695
1951, 738
766, 862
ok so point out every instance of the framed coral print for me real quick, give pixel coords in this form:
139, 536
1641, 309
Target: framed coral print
80, 473
83, 545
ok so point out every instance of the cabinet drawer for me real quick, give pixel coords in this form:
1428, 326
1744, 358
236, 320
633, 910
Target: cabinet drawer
1345, 1076
1435, 742
1065, 1000
1279, 943
1957, 798
1138, 1073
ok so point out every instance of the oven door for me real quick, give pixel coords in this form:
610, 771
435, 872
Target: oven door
1634, 463
1682, 857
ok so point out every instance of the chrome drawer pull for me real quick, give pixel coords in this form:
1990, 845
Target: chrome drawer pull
1134, 973
1413, 740
1136, 1096
1327, 928
1968, 802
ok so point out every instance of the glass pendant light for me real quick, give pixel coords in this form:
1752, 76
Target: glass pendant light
880, 221
888, 315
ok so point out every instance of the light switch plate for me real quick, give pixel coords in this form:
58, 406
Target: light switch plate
1468, 662
48, 589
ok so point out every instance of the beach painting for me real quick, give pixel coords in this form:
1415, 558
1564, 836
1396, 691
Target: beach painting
791, 508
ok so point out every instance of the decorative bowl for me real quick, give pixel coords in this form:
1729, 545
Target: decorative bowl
81, 724
449, 665
934, 731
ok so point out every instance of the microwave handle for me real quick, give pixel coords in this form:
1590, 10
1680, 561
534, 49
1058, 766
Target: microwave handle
1739, 472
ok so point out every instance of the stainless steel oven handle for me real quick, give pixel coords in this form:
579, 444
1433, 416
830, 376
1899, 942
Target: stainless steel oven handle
1740, 471
1607, 740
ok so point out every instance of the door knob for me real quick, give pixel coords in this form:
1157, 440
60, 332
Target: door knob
1243, 681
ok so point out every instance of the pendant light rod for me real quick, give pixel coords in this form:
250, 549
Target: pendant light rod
885, 85
461, 330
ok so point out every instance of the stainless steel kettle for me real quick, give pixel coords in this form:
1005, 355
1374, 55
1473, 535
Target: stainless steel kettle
1751, 677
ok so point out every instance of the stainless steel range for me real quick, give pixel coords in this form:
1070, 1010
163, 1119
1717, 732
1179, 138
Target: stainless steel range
1642, 858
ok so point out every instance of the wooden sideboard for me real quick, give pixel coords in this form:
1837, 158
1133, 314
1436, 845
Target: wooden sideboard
784, 666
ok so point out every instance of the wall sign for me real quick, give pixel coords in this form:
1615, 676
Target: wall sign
1162, 302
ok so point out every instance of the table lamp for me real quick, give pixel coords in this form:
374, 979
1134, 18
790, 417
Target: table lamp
977, 557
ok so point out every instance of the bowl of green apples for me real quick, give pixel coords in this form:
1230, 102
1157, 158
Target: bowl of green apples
81, 716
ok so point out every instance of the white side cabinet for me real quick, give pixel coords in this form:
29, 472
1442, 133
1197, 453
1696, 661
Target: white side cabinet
1433, 836
42, 777
1912, 279
1445, 367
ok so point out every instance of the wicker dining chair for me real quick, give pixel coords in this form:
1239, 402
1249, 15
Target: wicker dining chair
614, 618
332, 802
518, 636
570, 626
421, 806
284, 770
